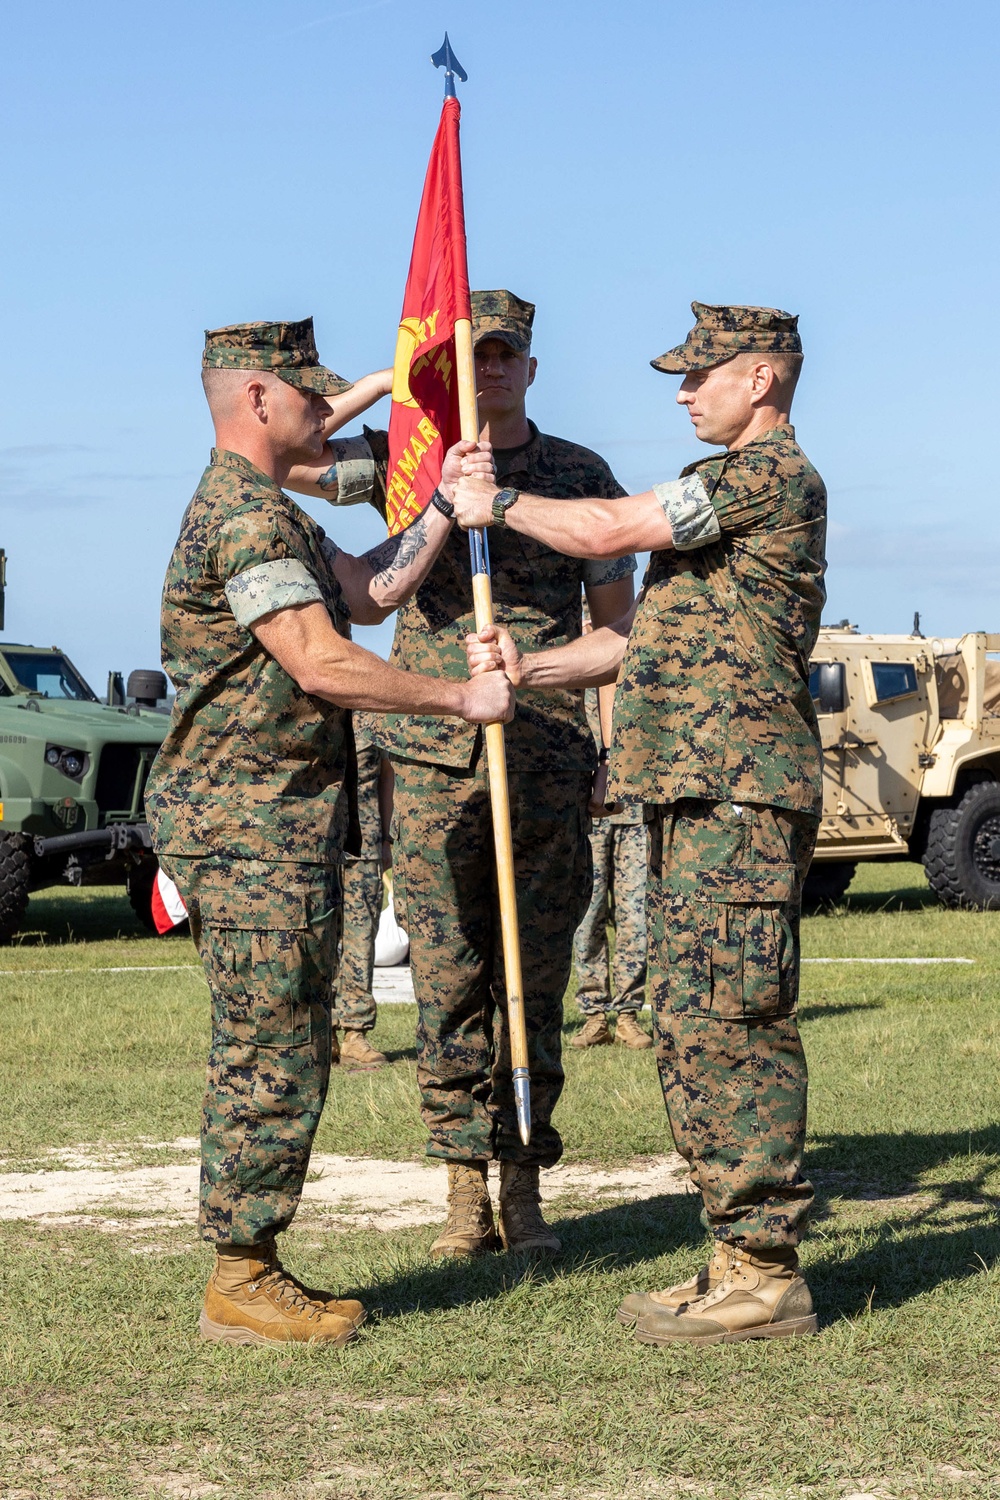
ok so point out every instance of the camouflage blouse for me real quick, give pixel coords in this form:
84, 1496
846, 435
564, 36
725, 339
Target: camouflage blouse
713, 699
251, 766
536, 593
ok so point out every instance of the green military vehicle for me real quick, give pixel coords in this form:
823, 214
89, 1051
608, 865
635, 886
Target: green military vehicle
911, 760
73, 771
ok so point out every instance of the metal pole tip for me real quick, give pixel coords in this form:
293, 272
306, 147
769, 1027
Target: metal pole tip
522, 1103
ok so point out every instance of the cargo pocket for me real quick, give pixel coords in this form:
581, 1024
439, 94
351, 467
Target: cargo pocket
753, 949
754, 964
271, 952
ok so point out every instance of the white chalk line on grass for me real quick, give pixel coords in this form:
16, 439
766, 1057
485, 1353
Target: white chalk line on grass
398, 983
391, 986
888, 960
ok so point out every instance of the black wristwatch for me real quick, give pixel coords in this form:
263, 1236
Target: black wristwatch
444, 506
502, 502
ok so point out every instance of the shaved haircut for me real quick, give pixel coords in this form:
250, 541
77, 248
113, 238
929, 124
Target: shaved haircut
786, 369
223, 389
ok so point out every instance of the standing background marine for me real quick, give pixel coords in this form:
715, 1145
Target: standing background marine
613, 985
444, 867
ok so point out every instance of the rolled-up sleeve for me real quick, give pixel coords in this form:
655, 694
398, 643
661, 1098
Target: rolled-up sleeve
355, 471
269, 586
688, 507
608, 570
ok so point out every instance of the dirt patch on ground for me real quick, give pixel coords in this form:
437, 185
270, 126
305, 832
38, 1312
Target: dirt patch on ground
90, 1188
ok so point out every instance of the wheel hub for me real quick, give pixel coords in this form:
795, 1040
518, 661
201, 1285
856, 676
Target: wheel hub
986, 849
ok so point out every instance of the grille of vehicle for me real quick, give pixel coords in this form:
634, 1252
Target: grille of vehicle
121, 768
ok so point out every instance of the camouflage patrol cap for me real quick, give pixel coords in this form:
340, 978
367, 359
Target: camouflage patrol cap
721, 332
501, 315
287, 350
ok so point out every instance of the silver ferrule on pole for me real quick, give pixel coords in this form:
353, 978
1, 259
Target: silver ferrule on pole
522, 1103
479, 551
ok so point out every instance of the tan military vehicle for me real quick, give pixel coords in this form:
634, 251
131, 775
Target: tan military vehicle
911, 760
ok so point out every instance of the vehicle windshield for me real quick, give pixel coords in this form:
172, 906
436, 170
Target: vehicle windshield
49, 674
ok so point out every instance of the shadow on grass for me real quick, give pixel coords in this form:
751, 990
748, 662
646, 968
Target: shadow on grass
81, 917
925, 1240
836, 1008
894, 1267
895, 1162
870, 903
608, 1239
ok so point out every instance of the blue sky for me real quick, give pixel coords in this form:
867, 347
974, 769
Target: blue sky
175, 168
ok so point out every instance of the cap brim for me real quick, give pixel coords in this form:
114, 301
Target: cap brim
315, 378
682, 359
514, 340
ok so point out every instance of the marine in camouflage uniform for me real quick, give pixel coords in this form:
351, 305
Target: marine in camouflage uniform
605, 985
444, 869
249, 804
354, 1011
715, 731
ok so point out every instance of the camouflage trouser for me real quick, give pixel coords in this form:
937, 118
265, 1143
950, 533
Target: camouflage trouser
724, 894
445, 881
353, 1001
266, 934
619, 853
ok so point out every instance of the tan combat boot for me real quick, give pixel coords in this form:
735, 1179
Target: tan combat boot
630, 1034
761, 1296
595, 1033
469, 1229
357, 1051
636, 1304
522, 1228
250, 1299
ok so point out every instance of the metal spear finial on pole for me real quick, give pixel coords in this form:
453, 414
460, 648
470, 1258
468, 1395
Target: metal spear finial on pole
445, 58
496, 758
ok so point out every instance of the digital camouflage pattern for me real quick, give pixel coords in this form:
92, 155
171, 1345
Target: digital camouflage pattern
444, 858
713, 697
361, 879
618, 855
720, 332
606, 985
251, 766
724, 894
501, 315
536, 594
266, 933
444, 879
287, 350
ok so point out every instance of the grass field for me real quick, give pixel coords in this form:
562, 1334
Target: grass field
495, 1380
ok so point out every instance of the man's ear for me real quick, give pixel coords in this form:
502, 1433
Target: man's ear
255, 393
532, 367
762, 380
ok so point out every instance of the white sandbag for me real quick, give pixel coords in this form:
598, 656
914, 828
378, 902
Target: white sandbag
392, 946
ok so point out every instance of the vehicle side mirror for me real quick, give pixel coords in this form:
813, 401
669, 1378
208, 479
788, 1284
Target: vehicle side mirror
828, 686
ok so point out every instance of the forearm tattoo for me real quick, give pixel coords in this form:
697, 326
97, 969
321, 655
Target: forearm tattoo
328, 479
397, 553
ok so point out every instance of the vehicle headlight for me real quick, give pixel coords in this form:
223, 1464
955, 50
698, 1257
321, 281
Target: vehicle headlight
72, 763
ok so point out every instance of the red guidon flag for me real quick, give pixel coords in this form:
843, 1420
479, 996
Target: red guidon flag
425, 420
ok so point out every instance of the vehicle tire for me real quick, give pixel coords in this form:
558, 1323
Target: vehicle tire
962, 859
15, 882
827, 882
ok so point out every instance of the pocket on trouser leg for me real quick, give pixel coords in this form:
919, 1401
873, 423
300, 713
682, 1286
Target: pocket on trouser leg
754, 964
